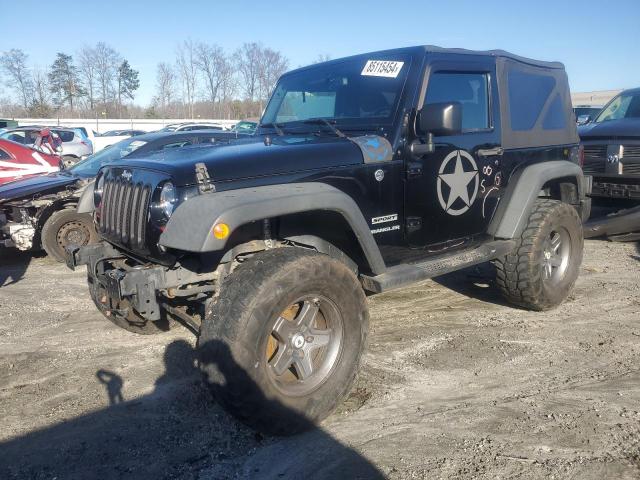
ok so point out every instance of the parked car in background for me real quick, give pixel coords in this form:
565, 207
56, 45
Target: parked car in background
585, 113
101, 141
190, 126
245, 126
40, 212
122, 133
611, 147
19, 161
75, 144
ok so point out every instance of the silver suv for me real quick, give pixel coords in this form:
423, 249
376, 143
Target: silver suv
75, 144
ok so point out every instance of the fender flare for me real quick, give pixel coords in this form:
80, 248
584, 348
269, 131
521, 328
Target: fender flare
524, 188
189, 228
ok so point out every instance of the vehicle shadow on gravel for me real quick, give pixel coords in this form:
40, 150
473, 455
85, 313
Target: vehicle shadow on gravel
478, 282
13, 265
177, 431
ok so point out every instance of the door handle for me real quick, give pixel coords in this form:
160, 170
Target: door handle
490, 152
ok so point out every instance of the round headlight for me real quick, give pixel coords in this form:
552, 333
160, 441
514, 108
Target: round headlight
97, 191
168, 198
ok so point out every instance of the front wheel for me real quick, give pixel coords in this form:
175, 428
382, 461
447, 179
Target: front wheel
282, 344
64, 228
540, 273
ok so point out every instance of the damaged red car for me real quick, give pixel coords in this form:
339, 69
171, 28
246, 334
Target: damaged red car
20, 161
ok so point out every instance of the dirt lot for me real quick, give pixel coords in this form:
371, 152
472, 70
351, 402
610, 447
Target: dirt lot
455, 385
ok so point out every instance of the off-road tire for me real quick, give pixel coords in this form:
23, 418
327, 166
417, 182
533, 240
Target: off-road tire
520, 274
131, 322
238, 325
66, 227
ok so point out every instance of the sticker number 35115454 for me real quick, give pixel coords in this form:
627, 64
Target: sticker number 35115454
382, 68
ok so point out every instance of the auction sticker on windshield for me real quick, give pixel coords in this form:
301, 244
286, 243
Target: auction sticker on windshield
382, 68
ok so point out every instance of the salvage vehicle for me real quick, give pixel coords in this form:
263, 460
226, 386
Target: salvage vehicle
40, 212
611, 147
75, 146
365, 174
19, 161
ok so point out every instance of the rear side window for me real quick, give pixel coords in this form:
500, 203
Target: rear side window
528, 95
65, 135
469, 89
182, 143
4, 155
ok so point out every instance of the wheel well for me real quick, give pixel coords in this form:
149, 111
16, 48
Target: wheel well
45, 213
564, 189
323, 230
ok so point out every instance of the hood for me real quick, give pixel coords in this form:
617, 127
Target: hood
252, 157
37, 185
611, 129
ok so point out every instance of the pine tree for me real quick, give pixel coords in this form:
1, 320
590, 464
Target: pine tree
63, 80
128, 82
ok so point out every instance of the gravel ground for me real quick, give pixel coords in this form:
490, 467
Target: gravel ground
455, 384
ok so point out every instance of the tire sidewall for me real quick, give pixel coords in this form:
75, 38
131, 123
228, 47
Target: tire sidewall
313, 274
563, 215
57, 220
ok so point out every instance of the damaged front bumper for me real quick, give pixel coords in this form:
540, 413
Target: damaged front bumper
141, 284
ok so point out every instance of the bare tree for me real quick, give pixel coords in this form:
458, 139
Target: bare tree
165, 85
272, 65
186, 61
214, 67
248, 59
107, 62
88, 70
40, 105
14, 65
322, 57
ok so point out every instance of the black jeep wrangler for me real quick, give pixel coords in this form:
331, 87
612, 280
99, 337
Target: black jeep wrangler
365, 174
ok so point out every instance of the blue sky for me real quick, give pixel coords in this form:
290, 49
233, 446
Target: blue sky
597, 41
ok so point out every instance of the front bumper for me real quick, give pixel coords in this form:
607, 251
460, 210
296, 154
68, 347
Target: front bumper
616, 186
138, 285
144, 286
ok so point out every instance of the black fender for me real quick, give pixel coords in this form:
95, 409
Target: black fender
190, 227
524, 188
85, 202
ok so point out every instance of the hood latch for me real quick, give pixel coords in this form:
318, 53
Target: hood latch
205, 184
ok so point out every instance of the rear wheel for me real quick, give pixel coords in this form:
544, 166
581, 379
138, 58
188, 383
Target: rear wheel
540, 273
64, 228
282, 344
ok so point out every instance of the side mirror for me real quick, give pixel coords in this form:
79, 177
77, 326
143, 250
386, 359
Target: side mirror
440, 119
584, 119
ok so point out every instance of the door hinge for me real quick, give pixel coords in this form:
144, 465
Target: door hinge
413, 224
414, 169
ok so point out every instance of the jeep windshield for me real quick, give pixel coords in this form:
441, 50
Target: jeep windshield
360, 93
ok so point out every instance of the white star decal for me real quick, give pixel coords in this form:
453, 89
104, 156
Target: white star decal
458, 183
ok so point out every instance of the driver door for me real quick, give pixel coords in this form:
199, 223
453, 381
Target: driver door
451, 193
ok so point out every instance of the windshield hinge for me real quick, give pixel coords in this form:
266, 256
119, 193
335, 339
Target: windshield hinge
203, 179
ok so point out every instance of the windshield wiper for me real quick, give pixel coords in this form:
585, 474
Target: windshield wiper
324, 121
273, 125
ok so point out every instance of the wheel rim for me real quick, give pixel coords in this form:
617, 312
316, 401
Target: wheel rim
304, 345
555, 256
73, 233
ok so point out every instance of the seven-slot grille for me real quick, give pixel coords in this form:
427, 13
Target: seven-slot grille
124, 212
595, 157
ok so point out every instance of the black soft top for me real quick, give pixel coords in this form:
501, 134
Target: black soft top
535, 101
